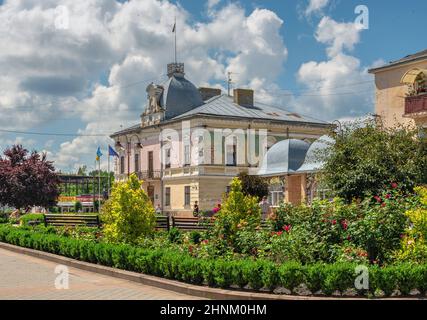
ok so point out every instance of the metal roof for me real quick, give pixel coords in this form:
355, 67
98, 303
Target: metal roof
313, 159
223, 105
179, 96
409, 58
284, 157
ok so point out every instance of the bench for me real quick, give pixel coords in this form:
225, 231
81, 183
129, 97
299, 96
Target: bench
162, 223
189, 224
73, 220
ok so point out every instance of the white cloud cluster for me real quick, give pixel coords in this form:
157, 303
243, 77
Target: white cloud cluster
95, 62
338, 87
315, 6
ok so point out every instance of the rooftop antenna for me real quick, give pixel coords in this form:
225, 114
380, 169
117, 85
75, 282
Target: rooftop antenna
229, 81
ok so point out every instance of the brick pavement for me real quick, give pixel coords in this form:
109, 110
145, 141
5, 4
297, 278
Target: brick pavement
26, 277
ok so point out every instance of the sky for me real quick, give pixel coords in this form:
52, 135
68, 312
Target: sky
74, 71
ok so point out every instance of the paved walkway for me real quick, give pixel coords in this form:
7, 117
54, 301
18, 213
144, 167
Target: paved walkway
26, 277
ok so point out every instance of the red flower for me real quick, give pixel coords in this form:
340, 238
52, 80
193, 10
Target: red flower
190, 248
279, 233
383, 204
388, 196
394, 185
377, 198
348, 238
334, 222
287, 228
344, 224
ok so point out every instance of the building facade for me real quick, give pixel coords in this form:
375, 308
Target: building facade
190, 142
401, 91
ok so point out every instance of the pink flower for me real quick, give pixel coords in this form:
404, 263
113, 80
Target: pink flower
388, 196
377, 198
394, 185
287, 228
334, 222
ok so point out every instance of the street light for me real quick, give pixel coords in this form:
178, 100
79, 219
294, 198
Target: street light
128, 147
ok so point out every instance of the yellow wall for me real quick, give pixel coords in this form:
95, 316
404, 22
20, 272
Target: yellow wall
390, 94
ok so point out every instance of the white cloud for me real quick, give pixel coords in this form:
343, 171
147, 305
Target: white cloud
56, 73
315, 6
338, 87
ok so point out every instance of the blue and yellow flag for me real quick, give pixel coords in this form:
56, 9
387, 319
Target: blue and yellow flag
98, 154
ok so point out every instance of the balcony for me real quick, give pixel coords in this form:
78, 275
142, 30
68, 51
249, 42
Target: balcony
416, 106
149, 175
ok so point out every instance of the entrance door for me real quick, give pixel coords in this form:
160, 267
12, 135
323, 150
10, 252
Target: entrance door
150, 192
150, 164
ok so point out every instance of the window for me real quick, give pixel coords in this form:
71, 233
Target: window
275, 197
136, 162
168, 158
122, 164
187, 196
167, 196
186, 155
231, 153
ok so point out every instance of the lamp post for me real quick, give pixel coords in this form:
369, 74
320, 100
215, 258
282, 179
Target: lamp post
128, 148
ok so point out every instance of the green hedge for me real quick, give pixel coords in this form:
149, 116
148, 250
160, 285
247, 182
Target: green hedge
220, 273
25, 219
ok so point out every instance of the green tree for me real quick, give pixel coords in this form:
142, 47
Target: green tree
253, 185
128, 214
367, 158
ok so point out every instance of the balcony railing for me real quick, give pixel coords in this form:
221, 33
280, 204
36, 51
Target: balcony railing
415, 104
149, 175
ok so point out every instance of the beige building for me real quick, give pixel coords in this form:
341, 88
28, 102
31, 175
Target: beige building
401, 91
190, 142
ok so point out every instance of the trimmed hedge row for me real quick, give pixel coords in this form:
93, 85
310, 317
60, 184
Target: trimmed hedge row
255, 274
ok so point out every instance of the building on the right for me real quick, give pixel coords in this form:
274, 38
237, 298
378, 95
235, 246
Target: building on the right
401, 91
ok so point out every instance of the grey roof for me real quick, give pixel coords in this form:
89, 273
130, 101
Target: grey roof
179, 96
223, 105
314, 154
284, 157
412, 57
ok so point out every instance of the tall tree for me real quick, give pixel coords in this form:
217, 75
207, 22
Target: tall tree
253, 185
26, 179
367, 158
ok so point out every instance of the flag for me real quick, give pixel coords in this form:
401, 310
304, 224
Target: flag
112, 152
174, 27
98, 154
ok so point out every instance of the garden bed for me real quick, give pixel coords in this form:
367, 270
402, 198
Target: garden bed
245, 274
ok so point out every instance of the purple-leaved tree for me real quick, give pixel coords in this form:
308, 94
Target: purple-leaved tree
27, 179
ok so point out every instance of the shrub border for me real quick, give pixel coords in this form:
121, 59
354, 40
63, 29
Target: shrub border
180, 268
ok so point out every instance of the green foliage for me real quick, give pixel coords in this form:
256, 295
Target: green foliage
77, 206
129, 213
33, 217
195, 237
237, 210
174, 235
366, 157
253, 185
256, 274
413, 244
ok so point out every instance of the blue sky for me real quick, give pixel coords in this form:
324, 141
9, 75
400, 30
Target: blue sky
90, 77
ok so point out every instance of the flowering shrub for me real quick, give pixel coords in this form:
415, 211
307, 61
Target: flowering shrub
237, 211
413, 243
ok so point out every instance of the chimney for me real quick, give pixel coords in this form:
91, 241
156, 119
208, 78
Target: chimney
208, 93
244, 97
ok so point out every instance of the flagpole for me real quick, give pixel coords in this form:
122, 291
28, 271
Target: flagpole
175, 41
108, 170
99, 184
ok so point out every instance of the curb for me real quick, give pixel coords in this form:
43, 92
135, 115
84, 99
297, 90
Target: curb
171, 285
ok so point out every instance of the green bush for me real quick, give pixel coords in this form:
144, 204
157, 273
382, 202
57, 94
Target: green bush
36, 217
128, 214
174, 235
259, 273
